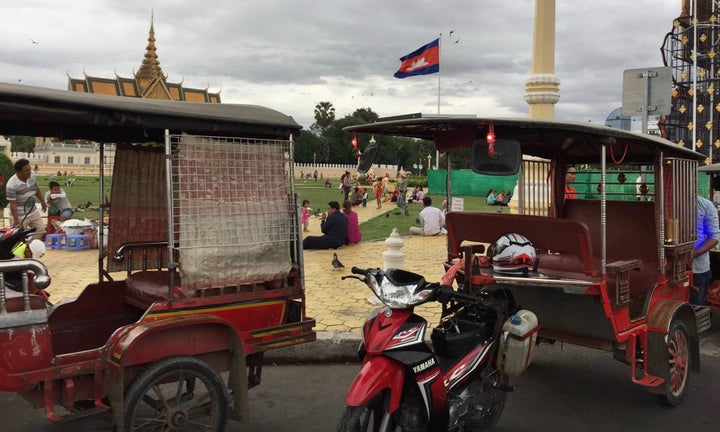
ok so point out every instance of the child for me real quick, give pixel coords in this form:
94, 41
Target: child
57, 202
379, 187
305, 215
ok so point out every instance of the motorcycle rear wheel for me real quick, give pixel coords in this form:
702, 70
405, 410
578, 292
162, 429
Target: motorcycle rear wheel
489, 406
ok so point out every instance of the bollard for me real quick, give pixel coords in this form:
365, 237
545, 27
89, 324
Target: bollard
393, 257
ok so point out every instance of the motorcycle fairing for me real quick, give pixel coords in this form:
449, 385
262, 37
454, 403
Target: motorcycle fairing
468, 364
401, 329
377, 373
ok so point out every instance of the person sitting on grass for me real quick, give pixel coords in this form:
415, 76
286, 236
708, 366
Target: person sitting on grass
491, 197
334, 227
431, 218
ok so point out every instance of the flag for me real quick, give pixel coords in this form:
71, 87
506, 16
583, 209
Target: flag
423, 61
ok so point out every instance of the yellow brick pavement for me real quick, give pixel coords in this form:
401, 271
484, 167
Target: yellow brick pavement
335, 304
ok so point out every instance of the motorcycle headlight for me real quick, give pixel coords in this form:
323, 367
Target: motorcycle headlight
400, 296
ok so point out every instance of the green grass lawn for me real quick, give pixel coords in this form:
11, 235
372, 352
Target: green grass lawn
379, 228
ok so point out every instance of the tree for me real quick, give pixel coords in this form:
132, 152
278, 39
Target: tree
8, 170
366, 114
324, 118
22, 144
310, 148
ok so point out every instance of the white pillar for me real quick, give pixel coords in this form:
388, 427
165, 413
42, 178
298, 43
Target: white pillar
393, 257
542, 88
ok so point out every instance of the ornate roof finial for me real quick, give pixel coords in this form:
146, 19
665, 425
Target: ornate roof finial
150, 67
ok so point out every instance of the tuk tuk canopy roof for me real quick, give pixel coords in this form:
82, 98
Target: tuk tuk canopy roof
580, 142
35, 111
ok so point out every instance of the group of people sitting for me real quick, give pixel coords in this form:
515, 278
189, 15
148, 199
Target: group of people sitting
498, 199
338, 228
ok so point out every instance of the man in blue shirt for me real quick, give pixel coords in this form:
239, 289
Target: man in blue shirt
708, 238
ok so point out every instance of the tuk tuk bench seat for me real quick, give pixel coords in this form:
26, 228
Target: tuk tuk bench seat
562, 244
631, 236
146, 287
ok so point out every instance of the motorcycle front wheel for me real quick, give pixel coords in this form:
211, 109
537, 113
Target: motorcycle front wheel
372, 417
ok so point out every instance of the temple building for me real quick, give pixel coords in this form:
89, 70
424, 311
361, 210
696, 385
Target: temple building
149, 82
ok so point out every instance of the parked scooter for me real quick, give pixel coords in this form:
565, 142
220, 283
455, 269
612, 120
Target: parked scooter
459, 384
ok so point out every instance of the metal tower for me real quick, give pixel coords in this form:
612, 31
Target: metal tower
692, 50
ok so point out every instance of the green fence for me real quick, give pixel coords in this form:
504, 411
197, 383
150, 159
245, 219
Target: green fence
468, 183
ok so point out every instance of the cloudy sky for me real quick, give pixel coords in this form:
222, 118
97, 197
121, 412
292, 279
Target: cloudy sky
291, 54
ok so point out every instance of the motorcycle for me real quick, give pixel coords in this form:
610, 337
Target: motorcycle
10, 241
461, 382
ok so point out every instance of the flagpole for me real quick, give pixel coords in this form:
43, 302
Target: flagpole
437, 153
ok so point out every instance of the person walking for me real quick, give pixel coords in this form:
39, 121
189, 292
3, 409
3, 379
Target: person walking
431, 218
20, 187
402, 192
708, 237
378, 188
346, 185
305, 215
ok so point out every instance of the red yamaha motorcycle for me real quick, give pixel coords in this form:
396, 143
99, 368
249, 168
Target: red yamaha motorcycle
459, 384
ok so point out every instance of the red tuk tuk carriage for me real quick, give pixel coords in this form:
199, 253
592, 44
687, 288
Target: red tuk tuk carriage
203, 224
614, 258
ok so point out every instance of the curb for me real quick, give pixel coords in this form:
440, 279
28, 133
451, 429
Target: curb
329, 347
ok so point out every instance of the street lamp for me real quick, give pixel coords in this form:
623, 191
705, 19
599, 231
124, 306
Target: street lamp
428, 165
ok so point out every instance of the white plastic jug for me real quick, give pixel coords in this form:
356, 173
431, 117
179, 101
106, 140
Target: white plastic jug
518, 339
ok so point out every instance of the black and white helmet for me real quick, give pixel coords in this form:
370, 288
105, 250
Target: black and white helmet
513, 253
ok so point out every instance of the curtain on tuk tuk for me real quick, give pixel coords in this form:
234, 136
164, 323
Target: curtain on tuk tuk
233, 211
138, 200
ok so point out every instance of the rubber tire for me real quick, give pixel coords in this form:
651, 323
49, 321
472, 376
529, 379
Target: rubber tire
363, 418
679, 354
195, 373
410, 417
486, 420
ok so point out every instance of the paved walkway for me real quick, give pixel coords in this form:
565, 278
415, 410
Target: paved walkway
335, 304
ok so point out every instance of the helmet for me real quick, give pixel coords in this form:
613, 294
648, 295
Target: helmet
513, 253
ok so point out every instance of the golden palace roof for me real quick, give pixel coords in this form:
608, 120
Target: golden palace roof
149, 82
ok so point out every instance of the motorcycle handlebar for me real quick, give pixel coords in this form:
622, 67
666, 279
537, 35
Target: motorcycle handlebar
447, 293
358, 270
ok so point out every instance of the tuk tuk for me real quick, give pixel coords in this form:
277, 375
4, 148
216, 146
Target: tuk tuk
614, 250
203, 226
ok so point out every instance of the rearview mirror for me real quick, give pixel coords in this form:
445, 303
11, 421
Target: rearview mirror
505, 159
367, 157
28, 206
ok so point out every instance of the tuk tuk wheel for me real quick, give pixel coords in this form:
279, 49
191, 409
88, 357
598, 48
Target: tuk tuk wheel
679, 355
177, 393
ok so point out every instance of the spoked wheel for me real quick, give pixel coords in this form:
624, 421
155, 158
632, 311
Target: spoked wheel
679, 355
176, 394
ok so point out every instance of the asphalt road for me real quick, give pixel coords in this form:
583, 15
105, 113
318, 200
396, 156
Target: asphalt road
566, 389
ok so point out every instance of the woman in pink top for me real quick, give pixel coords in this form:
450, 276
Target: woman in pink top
353, 231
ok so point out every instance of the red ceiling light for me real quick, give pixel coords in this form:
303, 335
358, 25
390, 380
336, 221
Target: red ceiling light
490, 138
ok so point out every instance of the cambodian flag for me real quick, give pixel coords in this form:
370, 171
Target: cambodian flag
423, 61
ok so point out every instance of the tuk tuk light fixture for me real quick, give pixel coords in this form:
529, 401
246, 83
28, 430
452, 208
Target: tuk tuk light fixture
490, 138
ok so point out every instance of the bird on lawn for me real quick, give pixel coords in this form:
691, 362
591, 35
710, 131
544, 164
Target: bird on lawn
337, 265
